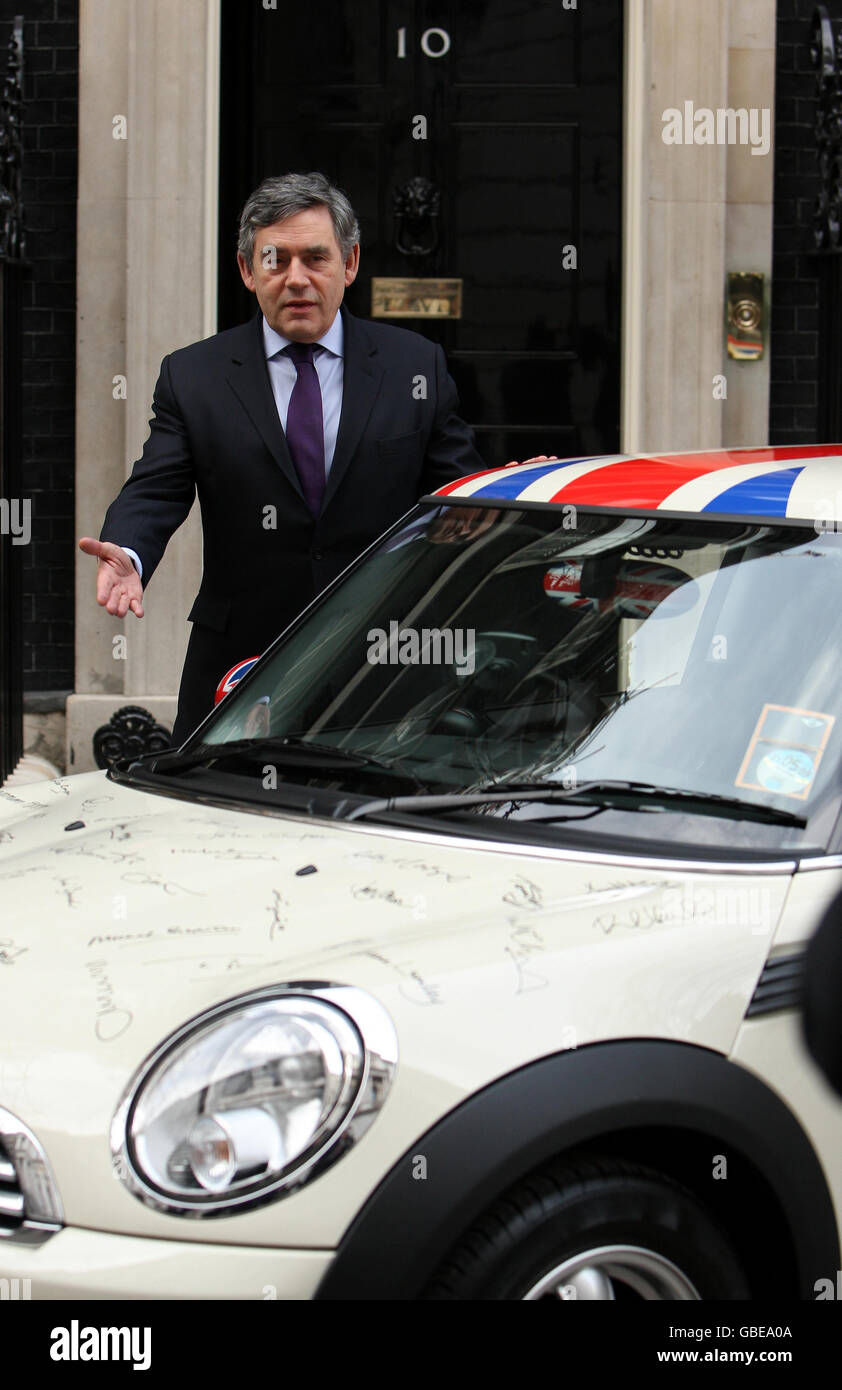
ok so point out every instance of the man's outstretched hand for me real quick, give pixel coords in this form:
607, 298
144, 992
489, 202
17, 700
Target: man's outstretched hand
539, 458
118, 584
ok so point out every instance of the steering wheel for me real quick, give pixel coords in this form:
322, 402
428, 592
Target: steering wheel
443, 712
430, 716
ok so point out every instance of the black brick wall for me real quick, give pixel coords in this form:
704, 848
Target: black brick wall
796, 274
51, 66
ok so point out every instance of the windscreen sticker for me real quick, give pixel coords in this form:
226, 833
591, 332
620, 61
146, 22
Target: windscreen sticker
785, 751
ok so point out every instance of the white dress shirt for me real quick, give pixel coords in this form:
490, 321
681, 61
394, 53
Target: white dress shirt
329, 363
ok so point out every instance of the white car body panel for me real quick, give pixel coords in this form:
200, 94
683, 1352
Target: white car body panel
125, 914
77, 1263
485, 944
773, 1048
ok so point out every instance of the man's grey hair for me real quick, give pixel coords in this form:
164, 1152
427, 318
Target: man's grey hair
286, 194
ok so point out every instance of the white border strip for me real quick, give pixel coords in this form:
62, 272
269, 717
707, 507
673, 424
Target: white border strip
210, 236
633, 319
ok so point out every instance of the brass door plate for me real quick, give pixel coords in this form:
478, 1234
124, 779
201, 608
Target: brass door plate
746, 315
402, 297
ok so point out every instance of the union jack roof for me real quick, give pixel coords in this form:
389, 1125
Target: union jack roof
802, 483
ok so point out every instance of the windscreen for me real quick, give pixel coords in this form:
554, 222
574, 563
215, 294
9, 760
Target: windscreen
477, 646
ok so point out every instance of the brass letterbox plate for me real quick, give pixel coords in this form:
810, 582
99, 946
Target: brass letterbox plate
401, 297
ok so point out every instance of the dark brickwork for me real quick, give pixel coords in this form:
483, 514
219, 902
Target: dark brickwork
51, 66
797, 275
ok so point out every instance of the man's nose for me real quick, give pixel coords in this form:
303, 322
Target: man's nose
297, 272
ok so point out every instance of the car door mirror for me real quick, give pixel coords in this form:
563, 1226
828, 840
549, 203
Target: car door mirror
822, 995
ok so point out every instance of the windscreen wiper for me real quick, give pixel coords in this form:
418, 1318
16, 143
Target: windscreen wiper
288, 749
597, 792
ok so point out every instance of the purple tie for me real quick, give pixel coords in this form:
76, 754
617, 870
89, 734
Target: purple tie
305, 426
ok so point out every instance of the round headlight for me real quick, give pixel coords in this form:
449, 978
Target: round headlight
250, 1100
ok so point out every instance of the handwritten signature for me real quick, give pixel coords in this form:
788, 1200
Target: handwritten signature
671, 906
413, 987
138, 876
369, 892
9, 951
524, 893
278, 908
524, 944
422, 866
111, 1021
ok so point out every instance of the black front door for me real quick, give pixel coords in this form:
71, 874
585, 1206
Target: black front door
479, 141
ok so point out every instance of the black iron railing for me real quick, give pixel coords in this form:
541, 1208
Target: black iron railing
14, 508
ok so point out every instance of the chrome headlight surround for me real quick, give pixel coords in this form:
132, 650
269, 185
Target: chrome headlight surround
362, 1033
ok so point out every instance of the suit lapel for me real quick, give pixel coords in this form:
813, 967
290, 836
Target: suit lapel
361, 378
248, 377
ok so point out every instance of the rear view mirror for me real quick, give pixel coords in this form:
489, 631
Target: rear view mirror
631, 589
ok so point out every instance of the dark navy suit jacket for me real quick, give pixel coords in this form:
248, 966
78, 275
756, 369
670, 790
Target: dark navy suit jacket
215, 432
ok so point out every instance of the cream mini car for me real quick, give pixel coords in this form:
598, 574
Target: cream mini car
457, 954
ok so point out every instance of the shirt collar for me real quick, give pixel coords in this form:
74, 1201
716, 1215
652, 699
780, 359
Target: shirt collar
333, 341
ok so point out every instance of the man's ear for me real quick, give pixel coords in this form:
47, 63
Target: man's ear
246, 272
352, 264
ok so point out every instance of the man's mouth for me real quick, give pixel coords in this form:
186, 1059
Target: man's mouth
300, 304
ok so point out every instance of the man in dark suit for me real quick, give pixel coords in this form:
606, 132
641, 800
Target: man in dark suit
306, 433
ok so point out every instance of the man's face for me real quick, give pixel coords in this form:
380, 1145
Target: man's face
298, 274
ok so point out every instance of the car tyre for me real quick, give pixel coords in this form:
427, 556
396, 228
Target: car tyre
595, 1229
